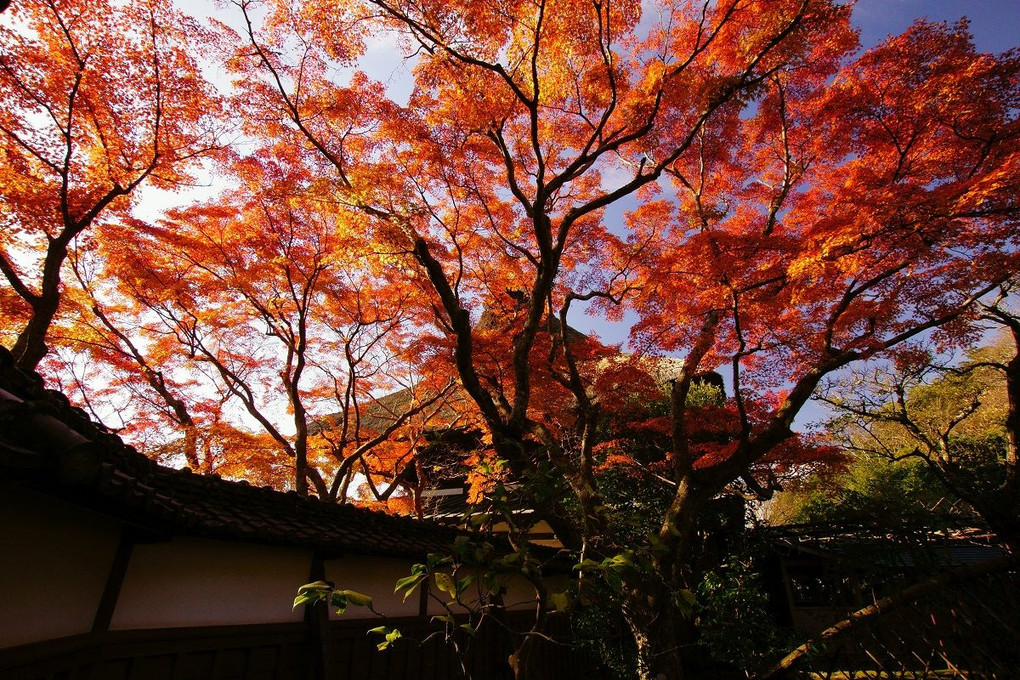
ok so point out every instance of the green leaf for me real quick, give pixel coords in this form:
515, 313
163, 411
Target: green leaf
655, 542
391, 637
469, 628
463, 583
619, 562
338, 600
615, 581
446, 618
445, 583
587, 565
511, 559
378, 630
303, 599
312, 592
357, 599
559, 601
686, 602
409, 584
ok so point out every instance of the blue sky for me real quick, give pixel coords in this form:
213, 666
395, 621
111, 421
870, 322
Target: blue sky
995, 24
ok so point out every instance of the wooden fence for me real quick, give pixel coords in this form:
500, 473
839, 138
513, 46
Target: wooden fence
287, 652
967, 631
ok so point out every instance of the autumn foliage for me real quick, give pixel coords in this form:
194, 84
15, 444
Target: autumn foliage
380, 268
99, 99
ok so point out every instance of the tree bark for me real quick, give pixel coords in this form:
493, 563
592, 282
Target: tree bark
1011, 485
655, 625
30, 347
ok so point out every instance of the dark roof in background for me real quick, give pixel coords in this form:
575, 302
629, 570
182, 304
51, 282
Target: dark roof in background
378, 414
905, 547
48, 445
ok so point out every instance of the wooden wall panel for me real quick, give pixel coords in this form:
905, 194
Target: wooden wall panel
280, 652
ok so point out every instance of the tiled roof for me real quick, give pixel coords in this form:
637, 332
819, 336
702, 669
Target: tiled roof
378, 414
49, 445
906, 547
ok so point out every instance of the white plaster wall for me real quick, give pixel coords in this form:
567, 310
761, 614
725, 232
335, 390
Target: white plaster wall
375, 577
199, 582
54, 562
520, 594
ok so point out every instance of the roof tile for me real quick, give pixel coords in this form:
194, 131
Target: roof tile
126, 484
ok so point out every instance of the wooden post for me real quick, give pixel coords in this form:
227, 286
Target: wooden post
114, 582
317, 620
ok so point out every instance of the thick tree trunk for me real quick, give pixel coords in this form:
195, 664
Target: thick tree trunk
30, 347
1011, 485
191, 450
1013, 410
659, 634
526, 664
1001, 507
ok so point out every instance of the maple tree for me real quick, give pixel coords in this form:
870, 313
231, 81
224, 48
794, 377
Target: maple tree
797, 207
266, 300
125, 365
98, 99
858, 203
875, 207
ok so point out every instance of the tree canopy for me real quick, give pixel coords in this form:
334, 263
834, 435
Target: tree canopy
794, 205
